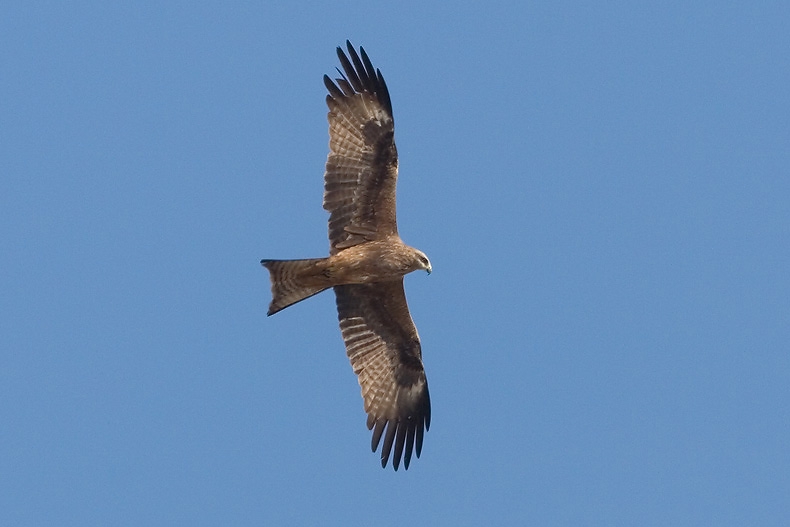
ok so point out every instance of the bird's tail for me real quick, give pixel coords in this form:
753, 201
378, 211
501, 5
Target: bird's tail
295, 280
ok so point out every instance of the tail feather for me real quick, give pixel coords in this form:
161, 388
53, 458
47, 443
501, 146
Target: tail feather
294, 280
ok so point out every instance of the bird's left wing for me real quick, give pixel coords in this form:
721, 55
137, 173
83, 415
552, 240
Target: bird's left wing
384, 349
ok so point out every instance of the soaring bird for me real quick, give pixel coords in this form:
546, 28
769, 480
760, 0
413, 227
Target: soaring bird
367, 261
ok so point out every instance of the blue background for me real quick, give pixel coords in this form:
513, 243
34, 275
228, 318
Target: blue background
604, 194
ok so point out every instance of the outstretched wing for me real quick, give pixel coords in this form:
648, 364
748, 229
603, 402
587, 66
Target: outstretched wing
384, 349
362, 167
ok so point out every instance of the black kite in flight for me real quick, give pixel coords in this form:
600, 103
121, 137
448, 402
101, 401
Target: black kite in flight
367, 260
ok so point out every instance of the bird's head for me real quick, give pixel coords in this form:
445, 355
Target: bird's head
422, 261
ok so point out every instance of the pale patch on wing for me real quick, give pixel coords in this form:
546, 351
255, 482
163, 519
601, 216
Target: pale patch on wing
384, 349
362, 166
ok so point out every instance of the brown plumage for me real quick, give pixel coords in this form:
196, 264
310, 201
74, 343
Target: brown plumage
367, 261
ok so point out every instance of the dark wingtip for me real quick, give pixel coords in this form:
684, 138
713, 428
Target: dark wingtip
361, 75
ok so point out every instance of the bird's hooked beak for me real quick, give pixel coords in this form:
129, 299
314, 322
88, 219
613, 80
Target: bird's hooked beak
429, 269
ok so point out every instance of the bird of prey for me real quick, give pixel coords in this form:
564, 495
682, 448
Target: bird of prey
367, 260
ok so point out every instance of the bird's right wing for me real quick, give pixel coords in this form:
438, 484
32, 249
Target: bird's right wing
362, 167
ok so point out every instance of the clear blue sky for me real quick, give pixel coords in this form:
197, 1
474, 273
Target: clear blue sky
603, 191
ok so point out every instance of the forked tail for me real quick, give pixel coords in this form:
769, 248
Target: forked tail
294, 280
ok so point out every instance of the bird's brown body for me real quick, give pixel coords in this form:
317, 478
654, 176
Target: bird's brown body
366, 263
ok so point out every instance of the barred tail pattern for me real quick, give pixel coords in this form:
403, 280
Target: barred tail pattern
294, 280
